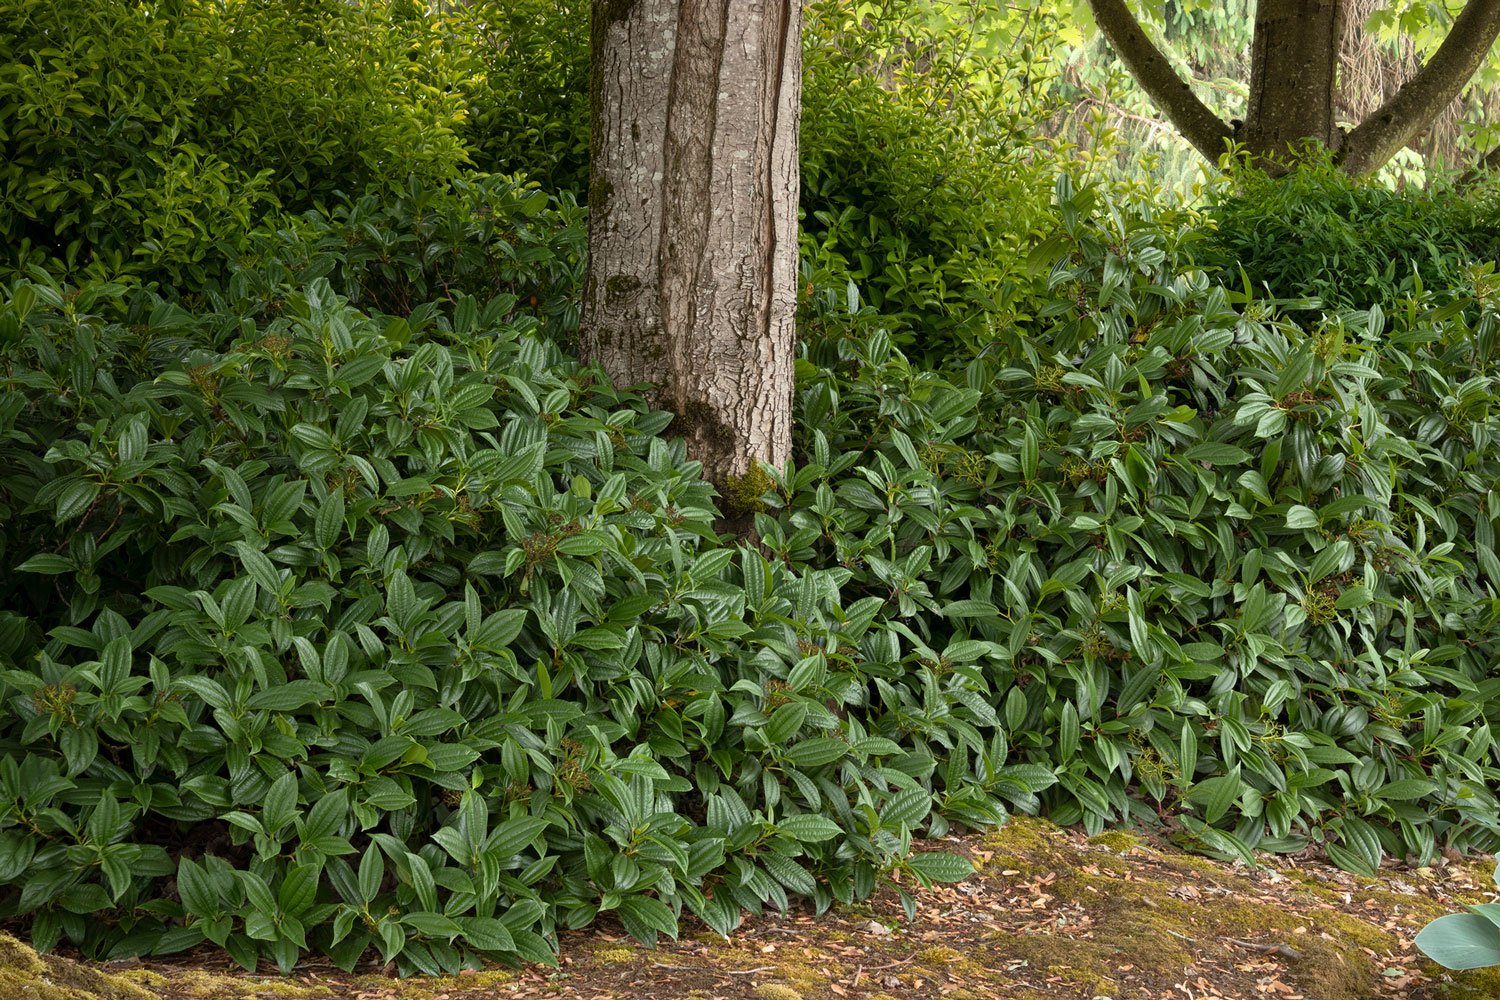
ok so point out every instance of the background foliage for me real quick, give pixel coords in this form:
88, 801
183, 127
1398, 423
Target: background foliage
526, 83
145, 140
921, 176
1323, 236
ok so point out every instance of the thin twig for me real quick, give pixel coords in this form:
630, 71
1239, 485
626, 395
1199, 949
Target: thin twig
891, 965
1285, 951
717, 972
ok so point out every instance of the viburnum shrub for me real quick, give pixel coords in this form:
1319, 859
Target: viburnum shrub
343, 610
1219, 571
330, 630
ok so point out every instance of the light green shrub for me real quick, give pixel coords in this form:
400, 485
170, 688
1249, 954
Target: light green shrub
147, 139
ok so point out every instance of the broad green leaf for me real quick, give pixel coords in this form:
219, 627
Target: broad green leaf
1299, 516
940, 866
808, 828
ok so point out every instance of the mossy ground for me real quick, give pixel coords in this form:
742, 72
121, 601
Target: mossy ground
1049, 914
25, 975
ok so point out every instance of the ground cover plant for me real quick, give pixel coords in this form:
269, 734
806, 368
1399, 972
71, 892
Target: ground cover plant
346, 612
1219, 567
440, 652
1049, 913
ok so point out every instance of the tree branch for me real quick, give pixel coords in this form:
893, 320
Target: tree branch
1154, 72
1420, 100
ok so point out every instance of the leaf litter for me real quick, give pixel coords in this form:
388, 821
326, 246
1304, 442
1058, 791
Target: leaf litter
1049, 915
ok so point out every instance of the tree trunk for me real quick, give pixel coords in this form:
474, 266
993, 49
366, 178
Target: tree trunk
1294, 69
693, 219
1294, 61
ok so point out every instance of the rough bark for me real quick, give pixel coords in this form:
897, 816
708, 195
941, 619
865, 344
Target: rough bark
1152, 70
1294, 61
693, 229
1423, 97
631, 57
1370, 71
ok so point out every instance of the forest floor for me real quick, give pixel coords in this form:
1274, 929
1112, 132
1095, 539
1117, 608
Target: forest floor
1050, 914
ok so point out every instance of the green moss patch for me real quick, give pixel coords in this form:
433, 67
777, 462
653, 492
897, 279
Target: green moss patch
25, 975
